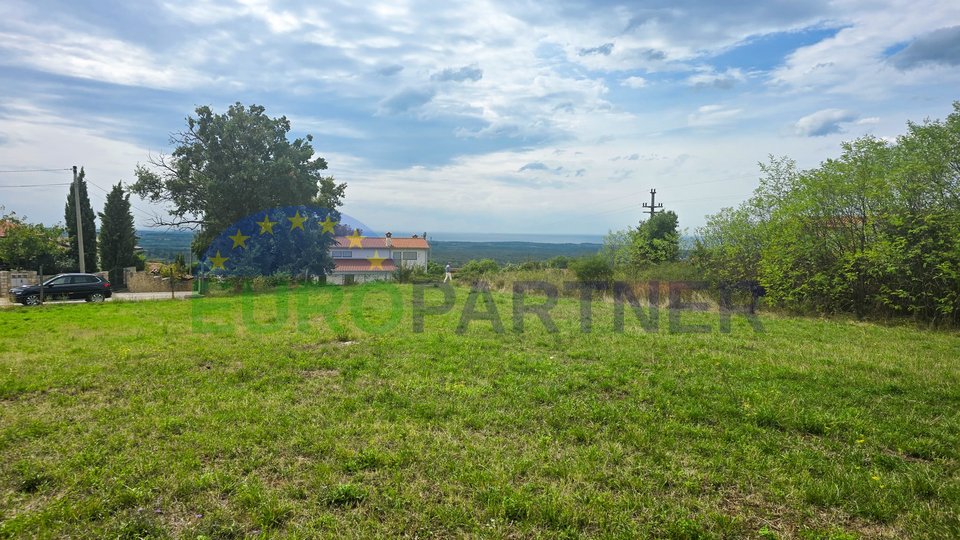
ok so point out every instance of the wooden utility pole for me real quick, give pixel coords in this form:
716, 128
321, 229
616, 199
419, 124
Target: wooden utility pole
653, 207
76, 203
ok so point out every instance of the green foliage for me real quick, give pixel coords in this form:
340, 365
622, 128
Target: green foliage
558, 262
594, 269
228, 166
404, 274
89, 227
656, 240
815, 428
28, 246
728, 248
616, 248
118, 237
875, 231
477, 268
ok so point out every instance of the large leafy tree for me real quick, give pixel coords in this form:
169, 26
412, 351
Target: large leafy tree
29, 246
89, 227
727, 250
118, 237
231, 165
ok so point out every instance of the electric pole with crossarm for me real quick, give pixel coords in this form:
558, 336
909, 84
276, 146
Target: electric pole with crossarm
653, 207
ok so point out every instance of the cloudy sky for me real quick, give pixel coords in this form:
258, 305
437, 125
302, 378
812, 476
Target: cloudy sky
482, 116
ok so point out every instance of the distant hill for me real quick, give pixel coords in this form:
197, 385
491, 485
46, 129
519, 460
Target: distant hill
457, 253
165, 245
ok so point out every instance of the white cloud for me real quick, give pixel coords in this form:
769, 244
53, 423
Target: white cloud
724, 80
854, 62
61, 51
38, 138
825, 122
486, 88
709, 115
634, 82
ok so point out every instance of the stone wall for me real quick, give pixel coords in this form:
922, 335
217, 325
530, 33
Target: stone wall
146, 282
7, 278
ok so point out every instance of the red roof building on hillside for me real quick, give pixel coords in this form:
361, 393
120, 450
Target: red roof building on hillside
358, 259
363, 265
6, 225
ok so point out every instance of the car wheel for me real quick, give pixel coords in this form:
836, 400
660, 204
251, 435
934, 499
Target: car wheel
32, 300
95, 297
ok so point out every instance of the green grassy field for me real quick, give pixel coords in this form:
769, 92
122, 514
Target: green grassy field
139, 420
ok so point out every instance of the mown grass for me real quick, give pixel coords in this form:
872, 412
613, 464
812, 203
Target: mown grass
147, 420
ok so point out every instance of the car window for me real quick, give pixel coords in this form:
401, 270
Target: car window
85, 279
62, 280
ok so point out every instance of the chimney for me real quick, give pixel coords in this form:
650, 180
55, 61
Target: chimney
388, 237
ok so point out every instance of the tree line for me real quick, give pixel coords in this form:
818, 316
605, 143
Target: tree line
873, 232
55, 249
223, 167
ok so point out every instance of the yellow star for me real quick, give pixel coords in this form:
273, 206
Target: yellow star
239, 240
296, 222
328, 225
218, 261
355, 239
376, 262
266, 226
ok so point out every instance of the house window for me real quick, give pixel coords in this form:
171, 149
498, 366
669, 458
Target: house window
409, 255
342, 254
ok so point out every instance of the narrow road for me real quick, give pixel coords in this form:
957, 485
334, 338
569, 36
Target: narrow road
120, 297
135, 297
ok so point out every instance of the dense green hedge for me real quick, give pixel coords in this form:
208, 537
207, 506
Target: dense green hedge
875, 231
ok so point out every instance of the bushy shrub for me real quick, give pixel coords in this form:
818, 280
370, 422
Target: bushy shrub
559, 262
480, 267
594, 269
476, 270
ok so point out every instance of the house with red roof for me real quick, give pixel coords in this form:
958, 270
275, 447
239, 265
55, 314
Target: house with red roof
6, 225
359, 259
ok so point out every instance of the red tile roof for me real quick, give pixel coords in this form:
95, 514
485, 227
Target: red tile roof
379, 242
361, 265
6, 226
410, 243
365, 242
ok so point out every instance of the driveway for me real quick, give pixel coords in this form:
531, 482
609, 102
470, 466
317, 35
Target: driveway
139, 296
121, 297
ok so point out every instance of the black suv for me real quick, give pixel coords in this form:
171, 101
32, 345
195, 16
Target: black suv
64, 287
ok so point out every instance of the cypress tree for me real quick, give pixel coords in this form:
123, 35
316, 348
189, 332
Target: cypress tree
89, 228
118, 237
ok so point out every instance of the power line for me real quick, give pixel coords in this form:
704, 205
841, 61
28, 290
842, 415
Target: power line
145, 213
17, 186
37, 185
35, 170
